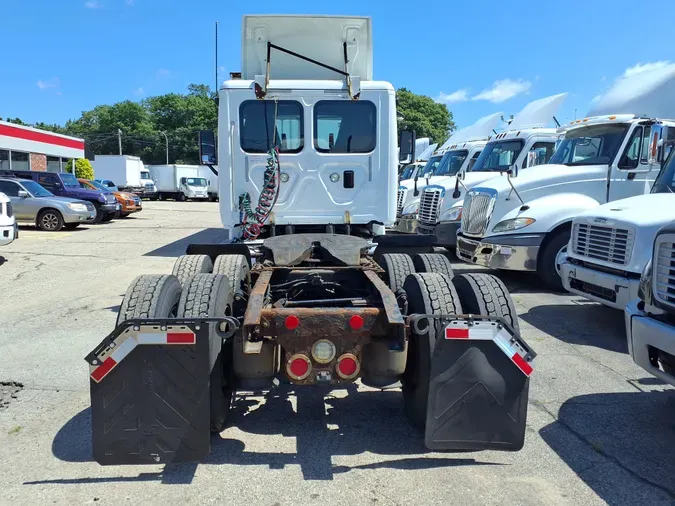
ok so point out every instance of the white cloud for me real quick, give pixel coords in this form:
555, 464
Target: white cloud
139, 91
451, 98
504, 90
646, 67
47, 84
93, 4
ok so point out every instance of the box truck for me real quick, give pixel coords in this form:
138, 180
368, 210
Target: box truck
180, 182
127, 172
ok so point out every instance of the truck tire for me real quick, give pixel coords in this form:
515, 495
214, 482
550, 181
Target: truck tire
181, 197
433, 262
99, 213
235, 269
428, 293
208, 296
49, 220
107, 217
397, 267
548, 257
485, 294
150, 296
187, 266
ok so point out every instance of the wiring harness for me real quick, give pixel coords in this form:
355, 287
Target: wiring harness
253, 220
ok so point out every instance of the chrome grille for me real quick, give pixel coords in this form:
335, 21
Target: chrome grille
399, 201
607, 244
663, 266
476, 213
429, 202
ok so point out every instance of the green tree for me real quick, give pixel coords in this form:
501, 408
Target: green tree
422, 114
83, 168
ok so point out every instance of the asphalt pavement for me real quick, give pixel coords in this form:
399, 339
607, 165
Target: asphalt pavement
600, 429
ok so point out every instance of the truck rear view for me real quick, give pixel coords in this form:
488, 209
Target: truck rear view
308, 164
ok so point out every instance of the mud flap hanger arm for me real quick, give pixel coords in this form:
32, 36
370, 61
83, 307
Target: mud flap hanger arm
262, 82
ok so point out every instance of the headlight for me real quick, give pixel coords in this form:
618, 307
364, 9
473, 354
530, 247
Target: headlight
645, 286
452, 214
77, 207
513, 224
411, 208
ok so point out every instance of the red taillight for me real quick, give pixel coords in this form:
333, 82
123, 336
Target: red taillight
356, 322
292, 322
298, 367
347, 366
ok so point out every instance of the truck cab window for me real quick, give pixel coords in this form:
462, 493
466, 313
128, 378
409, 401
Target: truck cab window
631, 157
352, 124
260, 132
472, 162
539, 154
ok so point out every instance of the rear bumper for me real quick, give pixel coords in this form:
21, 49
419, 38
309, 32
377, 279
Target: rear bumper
406, 225
609, 289
644, 334
517, 252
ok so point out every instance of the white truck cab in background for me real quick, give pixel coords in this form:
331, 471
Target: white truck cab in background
611, 244
527, 142
650, 318
523, 222
8, 227
314, 147
180, 182
127, 172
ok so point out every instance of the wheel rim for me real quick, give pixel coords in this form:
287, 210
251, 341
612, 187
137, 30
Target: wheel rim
50, 221
559, 258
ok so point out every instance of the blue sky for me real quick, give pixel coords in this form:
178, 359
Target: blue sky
63, 57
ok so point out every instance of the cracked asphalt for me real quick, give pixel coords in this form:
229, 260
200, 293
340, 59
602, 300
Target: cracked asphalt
600, 430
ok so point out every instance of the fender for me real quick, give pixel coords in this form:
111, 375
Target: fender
550, 211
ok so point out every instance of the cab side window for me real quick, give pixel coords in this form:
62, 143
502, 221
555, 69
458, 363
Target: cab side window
636, 150
539, 154
472, 162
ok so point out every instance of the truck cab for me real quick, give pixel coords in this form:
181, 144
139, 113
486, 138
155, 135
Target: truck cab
650, 318
527, 142
8, 228
611, 245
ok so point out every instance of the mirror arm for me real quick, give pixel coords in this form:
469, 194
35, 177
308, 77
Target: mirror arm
513, 188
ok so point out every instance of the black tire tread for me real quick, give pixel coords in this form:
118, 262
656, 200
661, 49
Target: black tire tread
144, 296
235, 269
433, 262
187, 266
485, 294
397, 266
547, 258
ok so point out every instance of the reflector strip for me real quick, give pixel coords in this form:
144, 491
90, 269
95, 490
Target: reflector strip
180, 338
522, 365
476, 332
456, 333
102, 370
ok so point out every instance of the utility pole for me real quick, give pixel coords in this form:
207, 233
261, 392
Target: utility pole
216, 90
119, 139
166, 139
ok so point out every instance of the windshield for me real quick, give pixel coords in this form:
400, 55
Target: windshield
593, 145
145, 174
36, 190
431, 165
665, 181
498, 156
451, 162
196, 181
69, 180
408, 171
99, 186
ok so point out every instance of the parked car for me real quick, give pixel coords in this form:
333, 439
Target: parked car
34, 204
129, 202
64, 184
8, 229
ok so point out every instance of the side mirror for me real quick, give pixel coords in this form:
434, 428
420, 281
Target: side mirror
23, 194
207, 147
460, 175
406, 145
513, 170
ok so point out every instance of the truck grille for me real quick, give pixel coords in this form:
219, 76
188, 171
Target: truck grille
664, 269
429, 203
9, 210
607, 244
110, 199
476, 213
149, 186
400, 196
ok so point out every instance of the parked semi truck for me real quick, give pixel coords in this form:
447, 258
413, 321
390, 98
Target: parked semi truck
308, 290
523, 222
527, 141
180, 182
650, 318
127, 173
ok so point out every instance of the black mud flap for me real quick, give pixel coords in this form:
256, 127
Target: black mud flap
479, 385
149, 385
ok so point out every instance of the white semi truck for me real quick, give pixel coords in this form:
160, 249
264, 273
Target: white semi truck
300, 295
180, 182
523, 222
128, 173
526, 142
650, 318
610, 245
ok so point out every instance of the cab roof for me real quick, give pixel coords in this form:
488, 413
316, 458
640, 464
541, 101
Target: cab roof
308, 84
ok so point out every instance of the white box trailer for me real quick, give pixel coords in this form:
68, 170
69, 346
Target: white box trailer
180, 182
128, 173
